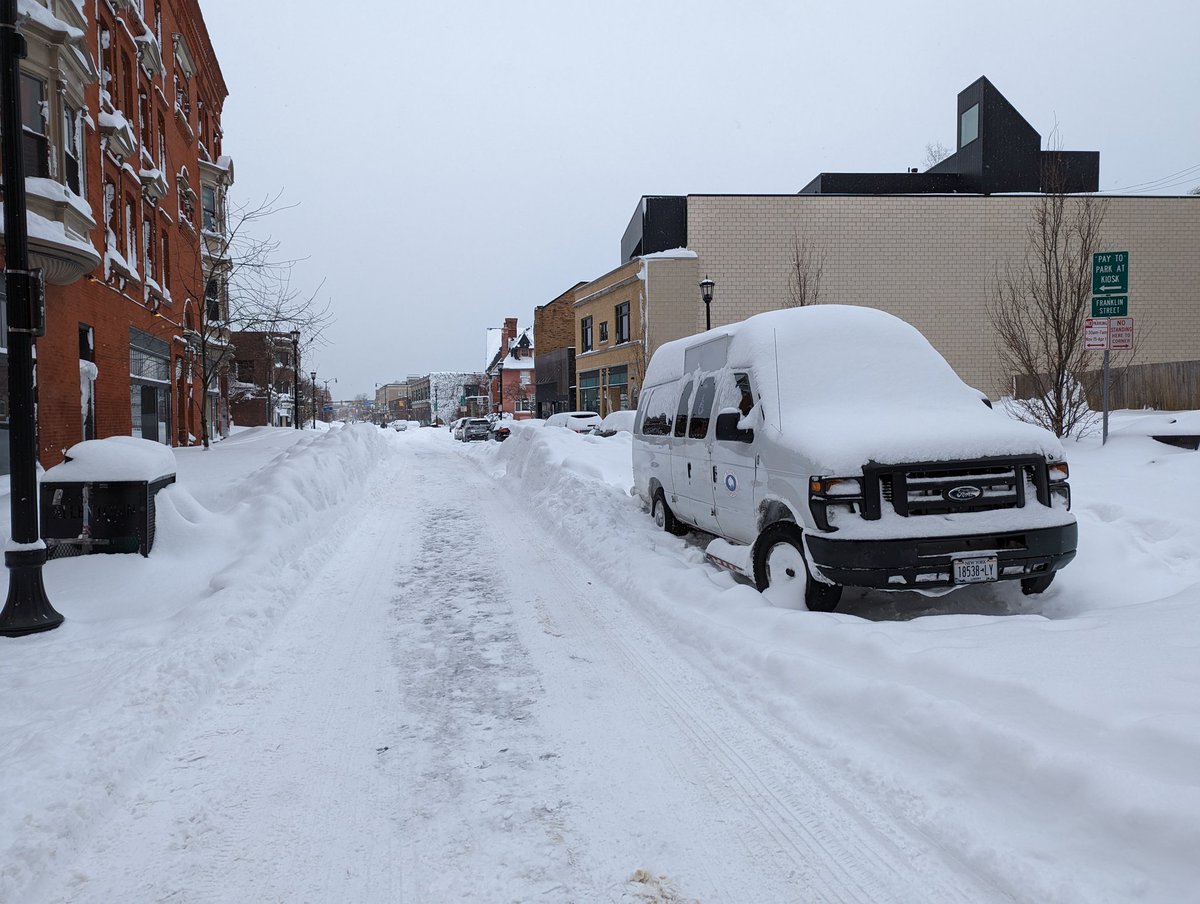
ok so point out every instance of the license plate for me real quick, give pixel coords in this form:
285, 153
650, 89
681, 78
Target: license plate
975, 571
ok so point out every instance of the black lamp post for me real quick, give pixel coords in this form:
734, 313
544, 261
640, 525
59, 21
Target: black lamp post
27, 609
296, 379
500, 389
313, 374
706, 293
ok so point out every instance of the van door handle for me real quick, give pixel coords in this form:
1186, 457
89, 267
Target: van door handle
689, 470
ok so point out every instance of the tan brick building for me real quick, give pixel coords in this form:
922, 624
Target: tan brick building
929, 259
609, 340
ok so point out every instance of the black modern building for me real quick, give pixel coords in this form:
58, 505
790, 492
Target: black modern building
658, 224
998, 152
556, 388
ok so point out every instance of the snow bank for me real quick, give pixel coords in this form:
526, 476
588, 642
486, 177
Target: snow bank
147, 640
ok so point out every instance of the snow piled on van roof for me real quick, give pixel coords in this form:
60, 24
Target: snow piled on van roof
855, 384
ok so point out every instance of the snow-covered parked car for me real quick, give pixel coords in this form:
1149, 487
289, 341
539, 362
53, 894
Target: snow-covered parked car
837, 447
616, 422
476, 428
579, 421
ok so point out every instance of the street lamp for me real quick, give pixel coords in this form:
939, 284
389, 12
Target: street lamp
327, 382
296, 379
706, 294
500, 388
313, 374
27, 609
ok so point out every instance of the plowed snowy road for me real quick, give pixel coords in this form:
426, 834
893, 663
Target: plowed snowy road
430, 723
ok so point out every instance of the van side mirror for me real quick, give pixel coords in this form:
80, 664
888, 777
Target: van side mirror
727, 427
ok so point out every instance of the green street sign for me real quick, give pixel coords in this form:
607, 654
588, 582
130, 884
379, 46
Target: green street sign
1110, 306
1110, 272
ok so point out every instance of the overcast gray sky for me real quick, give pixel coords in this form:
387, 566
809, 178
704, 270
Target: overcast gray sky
456, 163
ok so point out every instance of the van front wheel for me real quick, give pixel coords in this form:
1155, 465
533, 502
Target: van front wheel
779, 562
664, 517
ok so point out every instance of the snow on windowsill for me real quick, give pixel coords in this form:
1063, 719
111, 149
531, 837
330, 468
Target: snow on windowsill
53, 232
56, 191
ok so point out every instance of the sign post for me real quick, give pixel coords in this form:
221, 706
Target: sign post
1110, 302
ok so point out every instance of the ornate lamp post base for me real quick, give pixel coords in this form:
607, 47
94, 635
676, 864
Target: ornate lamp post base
27, 610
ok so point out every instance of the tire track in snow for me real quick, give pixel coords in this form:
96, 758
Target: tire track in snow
484, 816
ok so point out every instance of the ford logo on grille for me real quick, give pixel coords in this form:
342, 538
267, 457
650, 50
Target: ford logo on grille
963, 494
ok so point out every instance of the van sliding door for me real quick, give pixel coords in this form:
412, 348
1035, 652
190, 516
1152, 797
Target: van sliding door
697, 448
680, 496
734, 464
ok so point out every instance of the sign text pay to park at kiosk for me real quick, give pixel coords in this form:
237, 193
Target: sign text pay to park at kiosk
1110, 272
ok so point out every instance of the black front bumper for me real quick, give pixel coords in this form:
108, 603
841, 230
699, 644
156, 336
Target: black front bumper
927, 563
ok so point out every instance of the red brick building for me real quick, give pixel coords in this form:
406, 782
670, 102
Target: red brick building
511, 372
263, 384
126, 183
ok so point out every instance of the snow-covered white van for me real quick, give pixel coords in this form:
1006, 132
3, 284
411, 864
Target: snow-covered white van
837, 447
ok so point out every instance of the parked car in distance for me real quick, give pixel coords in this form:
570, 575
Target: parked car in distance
616, 422
456, 427
475, 428
579, 421
843, 450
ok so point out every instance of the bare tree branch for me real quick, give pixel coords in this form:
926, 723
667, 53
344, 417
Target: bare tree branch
242, 284
935, 153
1038, 306
806, 265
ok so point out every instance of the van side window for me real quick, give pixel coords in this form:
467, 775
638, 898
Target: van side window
745, 396
685, 399
706, 394
657, 417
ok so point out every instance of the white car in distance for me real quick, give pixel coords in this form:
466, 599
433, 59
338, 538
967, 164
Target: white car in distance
578, 421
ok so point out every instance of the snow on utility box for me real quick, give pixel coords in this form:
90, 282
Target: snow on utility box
101, 498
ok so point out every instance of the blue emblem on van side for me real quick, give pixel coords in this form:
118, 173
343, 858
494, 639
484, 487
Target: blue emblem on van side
731, 483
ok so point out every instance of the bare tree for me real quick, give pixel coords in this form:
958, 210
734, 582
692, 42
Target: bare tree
1038, 306
935, 153
806, 266
1195, 190
245, 286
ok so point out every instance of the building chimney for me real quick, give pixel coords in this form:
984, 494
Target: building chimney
510, 330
